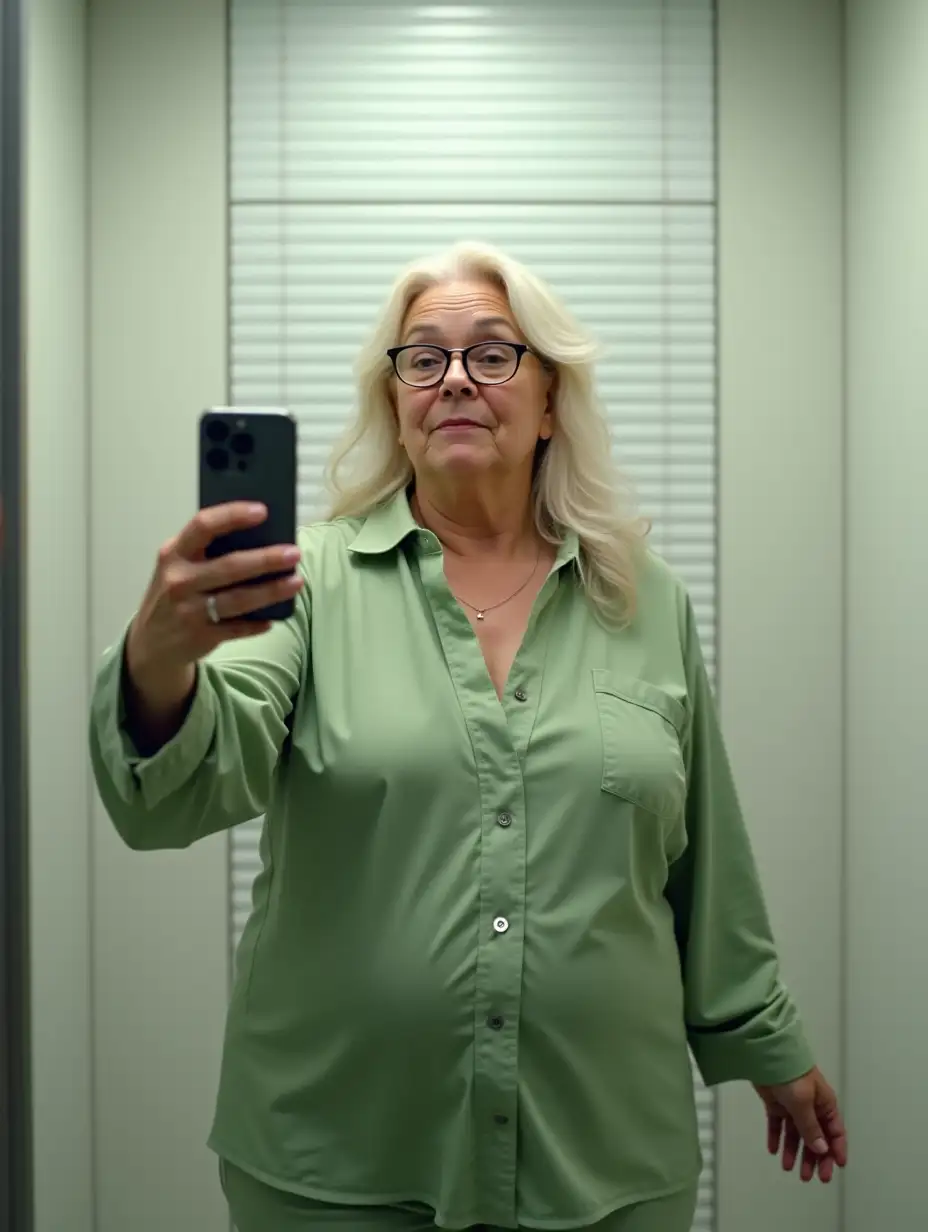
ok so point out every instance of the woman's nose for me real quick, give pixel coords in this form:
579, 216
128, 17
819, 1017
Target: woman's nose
457, 383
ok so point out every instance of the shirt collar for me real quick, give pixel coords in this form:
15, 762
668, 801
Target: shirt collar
391, 522
386, 526
568, 550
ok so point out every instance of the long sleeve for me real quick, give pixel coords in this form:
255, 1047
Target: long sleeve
741, 1021
218, 770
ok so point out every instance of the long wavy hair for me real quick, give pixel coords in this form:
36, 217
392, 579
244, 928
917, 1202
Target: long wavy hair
576, 485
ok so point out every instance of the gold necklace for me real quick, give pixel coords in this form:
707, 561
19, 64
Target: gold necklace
491, 607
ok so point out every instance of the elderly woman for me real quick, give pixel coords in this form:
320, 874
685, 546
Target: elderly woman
506, 882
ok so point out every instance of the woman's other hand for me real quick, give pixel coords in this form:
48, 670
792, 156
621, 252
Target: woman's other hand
803, 1118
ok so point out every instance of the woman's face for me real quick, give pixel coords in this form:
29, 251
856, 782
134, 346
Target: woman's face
458, 426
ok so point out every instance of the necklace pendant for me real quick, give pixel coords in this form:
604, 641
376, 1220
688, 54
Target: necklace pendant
480, 615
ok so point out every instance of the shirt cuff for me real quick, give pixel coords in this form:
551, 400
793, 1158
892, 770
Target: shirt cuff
764, 1060
156, 777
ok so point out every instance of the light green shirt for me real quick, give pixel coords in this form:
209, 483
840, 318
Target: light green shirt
486, 931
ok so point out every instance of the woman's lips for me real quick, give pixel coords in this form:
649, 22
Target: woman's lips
458, 425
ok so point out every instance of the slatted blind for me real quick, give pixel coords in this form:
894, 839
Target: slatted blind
576, 136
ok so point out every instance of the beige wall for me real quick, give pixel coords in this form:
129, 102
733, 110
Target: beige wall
158, 356
887, 601
781, 483
56, 487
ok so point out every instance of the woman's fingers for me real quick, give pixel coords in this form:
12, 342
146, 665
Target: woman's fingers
804, 1121
808, 1165
826, 1169
791, 1141
774, 1131
215, 520
835, 1131
241, 600
237, 567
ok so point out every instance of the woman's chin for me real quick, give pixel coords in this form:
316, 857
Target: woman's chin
461, 456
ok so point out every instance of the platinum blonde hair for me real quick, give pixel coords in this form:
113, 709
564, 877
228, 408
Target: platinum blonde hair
576, 486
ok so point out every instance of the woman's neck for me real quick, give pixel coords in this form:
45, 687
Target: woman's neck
501, 524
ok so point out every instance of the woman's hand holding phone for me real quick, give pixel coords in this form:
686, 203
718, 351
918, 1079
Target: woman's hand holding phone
193, 604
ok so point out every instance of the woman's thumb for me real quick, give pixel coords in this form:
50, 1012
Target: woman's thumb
809, 1127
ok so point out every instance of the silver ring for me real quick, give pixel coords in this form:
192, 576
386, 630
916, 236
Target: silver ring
212, 610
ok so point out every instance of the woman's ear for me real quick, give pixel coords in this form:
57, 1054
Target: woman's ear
551, 397
390, 394
551, 380
546, 427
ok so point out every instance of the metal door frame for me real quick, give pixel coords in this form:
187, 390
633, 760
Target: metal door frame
16, 1207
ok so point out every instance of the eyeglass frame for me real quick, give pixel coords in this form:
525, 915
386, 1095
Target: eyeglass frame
521, 349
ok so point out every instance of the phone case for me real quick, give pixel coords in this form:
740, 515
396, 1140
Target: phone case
250, 455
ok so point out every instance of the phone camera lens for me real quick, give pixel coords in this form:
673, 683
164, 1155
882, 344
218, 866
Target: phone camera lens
242, 443
217, 430
217, 460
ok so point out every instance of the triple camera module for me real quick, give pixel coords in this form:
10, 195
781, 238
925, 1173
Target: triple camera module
229, 448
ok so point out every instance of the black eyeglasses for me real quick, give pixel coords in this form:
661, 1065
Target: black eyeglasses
486, 363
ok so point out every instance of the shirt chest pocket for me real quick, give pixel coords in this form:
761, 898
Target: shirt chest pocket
641, 727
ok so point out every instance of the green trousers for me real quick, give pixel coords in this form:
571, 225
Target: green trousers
256, 1207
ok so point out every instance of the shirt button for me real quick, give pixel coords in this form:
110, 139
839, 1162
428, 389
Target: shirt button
496, 1022
520, 695
504, 820
500, 924
501, 1119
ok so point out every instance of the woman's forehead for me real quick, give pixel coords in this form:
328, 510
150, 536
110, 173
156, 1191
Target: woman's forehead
459, 304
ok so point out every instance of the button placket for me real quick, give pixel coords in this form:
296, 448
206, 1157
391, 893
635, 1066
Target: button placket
499, 735
500, 967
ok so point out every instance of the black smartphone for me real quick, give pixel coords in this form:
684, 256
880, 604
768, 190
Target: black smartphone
249, 454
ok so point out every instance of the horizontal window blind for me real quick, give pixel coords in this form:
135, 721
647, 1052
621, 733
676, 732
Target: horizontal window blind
601, 100
578, 138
